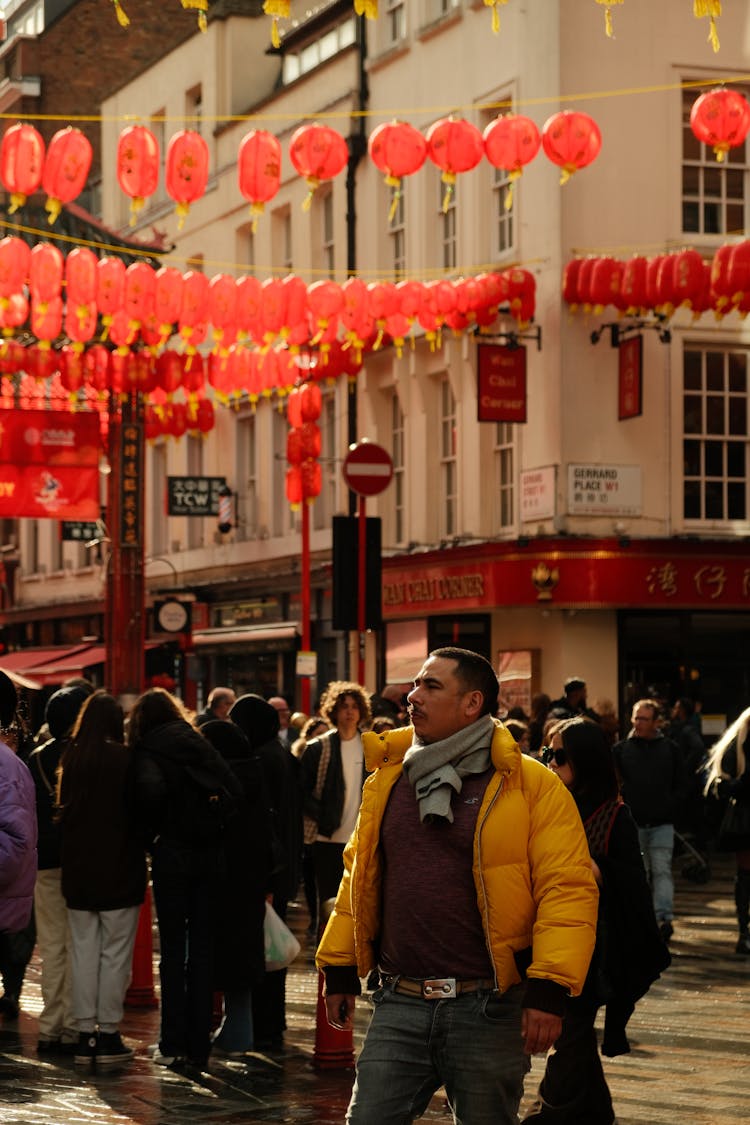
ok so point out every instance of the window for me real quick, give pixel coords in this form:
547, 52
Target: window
448, 467
281, 237
325, 505
715, 441
504, 476
447, 227
399, 471
284, 519
502, 194
194, 109
397, 232
713, 194
247, 478
395, 21
245, 254
158, 128
326, 234
301, 60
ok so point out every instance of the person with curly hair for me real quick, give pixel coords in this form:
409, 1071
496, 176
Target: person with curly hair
332, 773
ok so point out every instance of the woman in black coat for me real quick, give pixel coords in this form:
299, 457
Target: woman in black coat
629, 953
259, 722
239, 962
186, 795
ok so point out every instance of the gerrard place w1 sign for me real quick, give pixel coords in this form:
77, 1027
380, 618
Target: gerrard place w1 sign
49, 465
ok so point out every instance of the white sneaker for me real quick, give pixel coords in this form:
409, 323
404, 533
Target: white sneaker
164, 1060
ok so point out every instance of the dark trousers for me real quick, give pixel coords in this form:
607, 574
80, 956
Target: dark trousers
329, 868
186, 914
15, 953
269, 998
573, 1090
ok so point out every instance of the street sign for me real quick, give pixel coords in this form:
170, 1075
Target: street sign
368, 468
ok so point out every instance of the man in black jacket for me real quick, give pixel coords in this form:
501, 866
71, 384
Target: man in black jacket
654, 782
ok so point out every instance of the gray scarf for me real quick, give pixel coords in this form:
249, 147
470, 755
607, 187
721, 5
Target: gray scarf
436, 769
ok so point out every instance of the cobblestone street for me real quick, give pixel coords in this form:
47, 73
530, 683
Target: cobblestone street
688, 1065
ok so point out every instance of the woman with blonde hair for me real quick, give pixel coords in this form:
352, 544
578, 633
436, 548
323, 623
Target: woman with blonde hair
728, 777
103, 875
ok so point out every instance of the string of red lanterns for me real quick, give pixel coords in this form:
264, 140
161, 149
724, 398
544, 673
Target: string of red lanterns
662, 283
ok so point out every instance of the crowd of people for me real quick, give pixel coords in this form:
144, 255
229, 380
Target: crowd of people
550, 836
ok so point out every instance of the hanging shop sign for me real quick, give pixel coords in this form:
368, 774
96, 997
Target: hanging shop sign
501, 383
194, 496
131, 501
49, 465
79, 531
630, 378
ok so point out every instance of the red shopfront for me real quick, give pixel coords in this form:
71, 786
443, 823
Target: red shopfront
679, 609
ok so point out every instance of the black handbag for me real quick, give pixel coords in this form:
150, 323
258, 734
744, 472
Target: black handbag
734, 830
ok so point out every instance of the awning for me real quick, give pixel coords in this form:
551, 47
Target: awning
29, 657
72, 662
277, 635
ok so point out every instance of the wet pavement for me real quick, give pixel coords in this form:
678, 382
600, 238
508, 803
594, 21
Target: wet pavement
689, 1061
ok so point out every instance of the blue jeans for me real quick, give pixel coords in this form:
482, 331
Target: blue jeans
471, 1045
657, 846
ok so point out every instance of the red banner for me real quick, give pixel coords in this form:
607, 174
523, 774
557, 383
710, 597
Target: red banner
501, 383
49, 465
630, 378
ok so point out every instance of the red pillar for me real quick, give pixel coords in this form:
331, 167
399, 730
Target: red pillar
305, 601
141, 992
334, 1050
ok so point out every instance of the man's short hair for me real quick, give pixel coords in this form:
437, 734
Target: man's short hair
220, 695
573, 683
476, 674
653, 704
686, 705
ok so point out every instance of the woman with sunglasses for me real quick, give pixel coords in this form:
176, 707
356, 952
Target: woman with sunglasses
629, 953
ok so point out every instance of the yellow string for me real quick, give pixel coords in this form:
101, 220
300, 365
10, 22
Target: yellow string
495, 13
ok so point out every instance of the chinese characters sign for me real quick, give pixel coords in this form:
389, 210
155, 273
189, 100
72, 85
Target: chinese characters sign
131, 499
630, 378
193, 496
604, 490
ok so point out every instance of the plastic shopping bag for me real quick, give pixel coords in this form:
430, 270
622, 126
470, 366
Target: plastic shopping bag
281, 944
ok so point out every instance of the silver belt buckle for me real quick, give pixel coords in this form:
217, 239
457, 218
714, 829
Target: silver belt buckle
439, 988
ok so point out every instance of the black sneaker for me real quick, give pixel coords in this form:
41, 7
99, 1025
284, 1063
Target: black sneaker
85, 1052
666, 929
110, 1049
742, 948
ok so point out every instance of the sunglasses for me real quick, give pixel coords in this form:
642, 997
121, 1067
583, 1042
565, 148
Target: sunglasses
559, 757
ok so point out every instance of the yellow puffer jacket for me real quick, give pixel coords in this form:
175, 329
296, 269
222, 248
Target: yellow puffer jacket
532, 870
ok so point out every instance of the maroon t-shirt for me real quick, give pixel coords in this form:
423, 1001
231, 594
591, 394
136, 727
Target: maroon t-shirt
431, 921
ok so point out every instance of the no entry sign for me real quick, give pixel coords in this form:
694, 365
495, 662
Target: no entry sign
368, 468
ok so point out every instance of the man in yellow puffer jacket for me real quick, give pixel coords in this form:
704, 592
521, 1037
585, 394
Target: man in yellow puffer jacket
468, 883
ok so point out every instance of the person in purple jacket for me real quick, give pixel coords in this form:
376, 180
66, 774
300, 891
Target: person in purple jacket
18, 837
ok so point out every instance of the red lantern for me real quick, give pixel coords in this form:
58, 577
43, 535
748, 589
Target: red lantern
326, 301
410, 295
510, 142
738, 270
222, 308
14, 311
194, 310
317, 153
294, 493
186, 170
96, 371
304, 405
250, 307
355, 313
15, 262
204, 415
273, 308
721, 289
170, 366
46, 318
137, 166
606, 276
633, 297
311, 478
167, 299
46, 266
259, 169
522, 293
654, 296
295, 301
397, 149
41, 363
720, 118
689, 277
66, 169
110, 287
572, 141
570, 289
72, 366
140, 287
21, 163
80, 276
80, 323
455, 146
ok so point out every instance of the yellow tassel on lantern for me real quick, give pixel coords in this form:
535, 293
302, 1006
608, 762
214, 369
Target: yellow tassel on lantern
495, 14
122, 18
53, 207
712, 9
279, 9
202, 7
608, 16
366, 8
312, 184
449, 179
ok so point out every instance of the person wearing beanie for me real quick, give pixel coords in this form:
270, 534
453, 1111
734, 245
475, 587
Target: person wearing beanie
259, 722
18, 838
57, 1031
240, 963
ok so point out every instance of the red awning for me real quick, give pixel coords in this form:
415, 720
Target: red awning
69, 662
30, 657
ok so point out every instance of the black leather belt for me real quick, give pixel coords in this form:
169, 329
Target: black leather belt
434, 988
